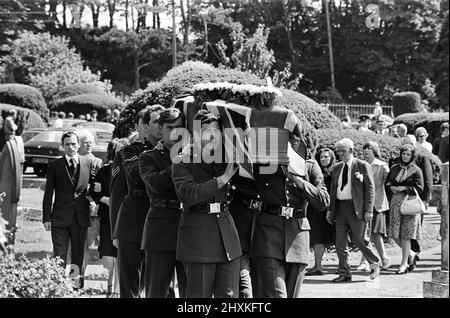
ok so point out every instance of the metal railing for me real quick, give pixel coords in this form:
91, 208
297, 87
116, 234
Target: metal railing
356, 110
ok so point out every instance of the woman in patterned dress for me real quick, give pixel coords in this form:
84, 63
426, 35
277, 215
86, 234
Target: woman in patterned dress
403, 179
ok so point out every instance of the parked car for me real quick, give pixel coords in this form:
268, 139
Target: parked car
30, 133
96, 124
46, 147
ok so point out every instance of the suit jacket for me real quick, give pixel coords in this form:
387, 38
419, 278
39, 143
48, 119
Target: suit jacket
70, 198
203, 238
161, 224
288, 239
363, 192
119, 190
380, 171
133, 210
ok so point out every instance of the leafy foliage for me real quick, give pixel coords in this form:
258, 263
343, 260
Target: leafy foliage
406, 102
431, 121
441, 68
22, 277
26, 118
77, 89
389, 146
24, 96
47, 63
85, 103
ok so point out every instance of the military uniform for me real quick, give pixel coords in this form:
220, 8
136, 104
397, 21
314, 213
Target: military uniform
280, 245
130, 223
243, 209
159, 239
208, 242
119, 190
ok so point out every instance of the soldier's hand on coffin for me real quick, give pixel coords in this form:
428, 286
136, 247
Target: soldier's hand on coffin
97, 187
47, 226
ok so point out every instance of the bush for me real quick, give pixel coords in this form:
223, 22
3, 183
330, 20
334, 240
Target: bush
406, 102
77, 89
389, 146
330, 95
85, 103
25, 278
24, 96
26, 118
431, 121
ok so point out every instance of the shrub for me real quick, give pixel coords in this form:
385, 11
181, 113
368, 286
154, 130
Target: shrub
389, 146
26, 118
406, 102
330, 95
77, 89
431, 121
85, 103
22, 277
24, 96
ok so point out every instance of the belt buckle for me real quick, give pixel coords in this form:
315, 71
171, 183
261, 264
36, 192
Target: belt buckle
255, 205
214, 208
287, 211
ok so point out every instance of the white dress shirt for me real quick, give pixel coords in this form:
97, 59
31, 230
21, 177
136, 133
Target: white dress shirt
346, 193
75, 158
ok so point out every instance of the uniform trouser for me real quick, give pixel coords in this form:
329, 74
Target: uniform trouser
130, 261
207, 279
77, 236
277, 278
347, 221
159, 268
245, 282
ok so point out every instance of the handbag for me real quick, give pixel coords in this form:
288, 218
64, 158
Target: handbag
412, 206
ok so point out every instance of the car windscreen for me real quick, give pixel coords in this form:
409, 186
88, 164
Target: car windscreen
49, 135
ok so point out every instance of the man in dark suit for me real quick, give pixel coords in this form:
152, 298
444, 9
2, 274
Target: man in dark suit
352, 199
280, 244
159, 239
133, 211
68, 216
208, 242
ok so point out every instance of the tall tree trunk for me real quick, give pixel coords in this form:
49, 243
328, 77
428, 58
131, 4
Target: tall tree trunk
330, 44
136, 69
126, 15
174, 37
64, 4
95, 8
142, 16
186, 21
205, 47
52, 8
156, 20
111, 10
287, 23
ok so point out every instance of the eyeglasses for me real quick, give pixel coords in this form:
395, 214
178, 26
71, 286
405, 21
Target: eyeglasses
422, 136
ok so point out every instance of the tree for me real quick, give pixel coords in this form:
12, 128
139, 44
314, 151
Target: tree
440, 70
111, 4
249, 53
47, 63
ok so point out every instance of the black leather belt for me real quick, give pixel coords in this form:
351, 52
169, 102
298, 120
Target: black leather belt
165, 203
251, 203
139, 193
285, 211
344, 201
208, 208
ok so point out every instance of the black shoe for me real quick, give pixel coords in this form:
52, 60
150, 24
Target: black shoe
412, 266
401, 271
314, 272
342, 279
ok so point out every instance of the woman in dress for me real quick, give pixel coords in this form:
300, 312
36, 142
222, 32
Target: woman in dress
380, 172
405, 178
421, 136
323, 234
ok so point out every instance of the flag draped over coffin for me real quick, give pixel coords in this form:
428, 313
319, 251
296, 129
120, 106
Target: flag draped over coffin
273, 130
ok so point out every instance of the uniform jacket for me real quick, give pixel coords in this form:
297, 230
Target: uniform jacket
363, 192
134, 208
203, 238
287, 239
70, 197
104, 178
119, 189
161, 224
380, 171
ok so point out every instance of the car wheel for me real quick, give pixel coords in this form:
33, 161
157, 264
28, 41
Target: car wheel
40, 171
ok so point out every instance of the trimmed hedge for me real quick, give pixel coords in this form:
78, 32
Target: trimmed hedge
389, 146
406, 102
26, 118
85, 103
24, 96
431, 121
77, 89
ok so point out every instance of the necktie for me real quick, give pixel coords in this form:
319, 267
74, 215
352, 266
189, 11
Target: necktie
344, 176
71, 168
